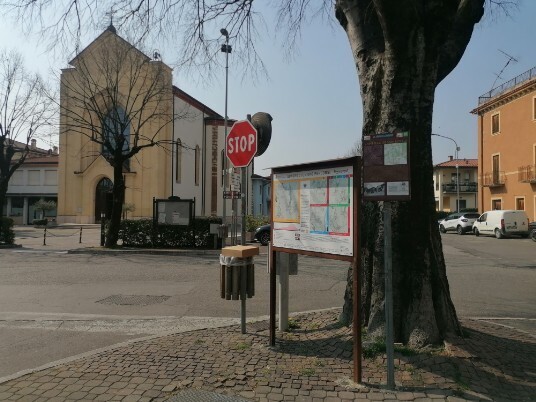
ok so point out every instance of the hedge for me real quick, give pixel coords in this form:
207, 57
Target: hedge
143, 233
7, 234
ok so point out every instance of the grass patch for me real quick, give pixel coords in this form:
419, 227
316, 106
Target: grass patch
374, 349
242, 346
293, 324
308, 372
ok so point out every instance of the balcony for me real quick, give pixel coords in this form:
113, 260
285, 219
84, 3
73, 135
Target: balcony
527, 174
464, 188
494, 179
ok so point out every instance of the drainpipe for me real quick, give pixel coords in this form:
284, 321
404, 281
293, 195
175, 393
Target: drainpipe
481, 164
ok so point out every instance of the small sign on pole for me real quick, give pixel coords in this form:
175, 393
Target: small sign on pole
386, 169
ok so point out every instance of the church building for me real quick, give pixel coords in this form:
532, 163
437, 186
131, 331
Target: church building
180, 139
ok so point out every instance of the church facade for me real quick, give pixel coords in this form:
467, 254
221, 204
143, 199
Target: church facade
181, 139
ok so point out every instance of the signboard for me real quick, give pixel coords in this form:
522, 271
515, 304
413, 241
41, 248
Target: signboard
231, 195
241, 143
386, 168
173, 211
313, 210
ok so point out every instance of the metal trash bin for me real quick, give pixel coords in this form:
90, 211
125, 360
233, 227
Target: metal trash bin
237, 275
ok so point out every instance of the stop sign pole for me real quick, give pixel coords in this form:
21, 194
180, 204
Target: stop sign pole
240, 148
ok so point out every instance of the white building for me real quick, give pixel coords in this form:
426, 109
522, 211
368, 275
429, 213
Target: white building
447, 186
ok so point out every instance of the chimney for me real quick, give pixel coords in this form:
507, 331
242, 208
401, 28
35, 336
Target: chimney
55, 150
450, 157
34, 143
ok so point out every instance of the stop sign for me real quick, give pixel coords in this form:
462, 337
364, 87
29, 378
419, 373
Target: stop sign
241, 143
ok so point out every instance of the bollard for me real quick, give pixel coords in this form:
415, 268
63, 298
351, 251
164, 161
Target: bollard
45, 237
80, 240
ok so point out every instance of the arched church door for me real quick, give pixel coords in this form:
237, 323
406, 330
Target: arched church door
103, 199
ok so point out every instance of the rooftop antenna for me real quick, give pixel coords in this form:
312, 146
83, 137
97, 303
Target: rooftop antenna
510, 59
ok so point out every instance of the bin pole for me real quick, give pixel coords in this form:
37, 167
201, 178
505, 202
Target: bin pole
283, 292
80, 240
45, 237
243, 285
273, 289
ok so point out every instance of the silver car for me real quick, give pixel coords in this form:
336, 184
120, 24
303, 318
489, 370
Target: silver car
461, 222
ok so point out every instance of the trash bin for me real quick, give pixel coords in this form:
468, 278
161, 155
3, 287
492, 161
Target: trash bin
237, 275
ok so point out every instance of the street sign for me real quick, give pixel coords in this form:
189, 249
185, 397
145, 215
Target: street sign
231, 195
241, 143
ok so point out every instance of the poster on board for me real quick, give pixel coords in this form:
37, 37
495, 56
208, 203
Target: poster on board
313, 210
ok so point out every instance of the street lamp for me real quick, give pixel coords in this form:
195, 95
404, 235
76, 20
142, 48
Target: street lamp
225, 48
457, 169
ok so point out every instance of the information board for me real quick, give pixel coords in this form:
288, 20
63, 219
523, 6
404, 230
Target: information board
313, 210
386, 169
173, 212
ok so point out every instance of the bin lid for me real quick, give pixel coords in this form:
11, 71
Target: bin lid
240, 251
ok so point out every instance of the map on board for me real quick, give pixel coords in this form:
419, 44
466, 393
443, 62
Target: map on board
318, 191
313, 210
319, 219
338, 220
395, 154
286, 201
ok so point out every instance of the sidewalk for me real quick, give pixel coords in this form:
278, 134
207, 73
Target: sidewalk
313, 362
310, 363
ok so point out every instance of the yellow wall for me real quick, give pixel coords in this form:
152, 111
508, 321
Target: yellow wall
80, 164
515, 144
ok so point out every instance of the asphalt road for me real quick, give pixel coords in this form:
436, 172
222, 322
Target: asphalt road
54, 305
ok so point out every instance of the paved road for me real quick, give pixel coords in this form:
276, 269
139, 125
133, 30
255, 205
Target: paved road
54, 305
493, 279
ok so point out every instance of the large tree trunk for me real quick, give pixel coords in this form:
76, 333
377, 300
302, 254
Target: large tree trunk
397, 50
112, 234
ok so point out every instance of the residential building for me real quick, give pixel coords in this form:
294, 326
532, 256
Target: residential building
455, 183
261, 199
36, 179
507, 146
188, 162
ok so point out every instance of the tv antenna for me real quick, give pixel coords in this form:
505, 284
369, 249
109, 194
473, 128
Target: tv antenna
510, 59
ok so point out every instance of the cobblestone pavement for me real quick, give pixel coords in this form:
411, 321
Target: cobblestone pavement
310, 363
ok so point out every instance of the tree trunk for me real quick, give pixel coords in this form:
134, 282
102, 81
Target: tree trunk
112, 235
3, 193
397, 56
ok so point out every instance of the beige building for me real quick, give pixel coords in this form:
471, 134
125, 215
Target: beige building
455, 182
187, 162
507, 146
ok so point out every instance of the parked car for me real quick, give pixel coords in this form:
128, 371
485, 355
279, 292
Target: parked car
262, 234
532, 230
461, 222
502, 223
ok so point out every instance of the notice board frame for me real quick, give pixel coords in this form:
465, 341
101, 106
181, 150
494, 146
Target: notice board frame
355, 162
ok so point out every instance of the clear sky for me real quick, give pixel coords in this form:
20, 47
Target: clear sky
314, 98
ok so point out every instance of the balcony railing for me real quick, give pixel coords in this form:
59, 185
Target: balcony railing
464, 188
494, 179
521, 78
527, 174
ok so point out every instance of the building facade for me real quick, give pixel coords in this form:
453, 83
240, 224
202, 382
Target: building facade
507, 146
455, 184
261, 195
186, 163
36, 179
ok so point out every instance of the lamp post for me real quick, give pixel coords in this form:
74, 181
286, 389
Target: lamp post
457, 169
225, 48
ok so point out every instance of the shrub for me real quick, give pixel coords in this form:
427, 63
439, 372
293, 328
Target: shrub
253, 222
7, 234
40, 222
142, 233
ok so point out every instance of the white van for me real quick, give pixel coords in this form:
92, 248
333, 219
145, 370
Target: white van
502, 223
